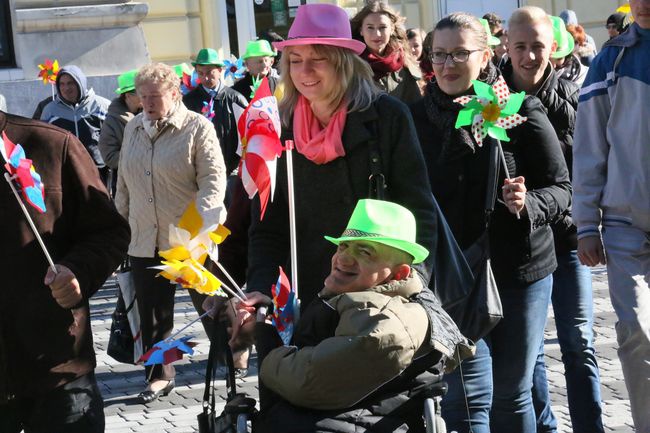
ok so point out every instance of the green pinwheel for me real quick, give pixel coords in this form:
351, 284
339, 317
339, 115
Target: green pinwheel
491, 111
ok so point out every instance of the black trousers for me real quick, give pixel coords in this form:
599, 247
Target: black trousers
156, 307
75, 407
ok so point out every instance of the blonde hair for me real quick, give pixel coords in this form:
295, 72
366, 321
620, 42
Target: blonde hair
160, 74
530, 16
464, 21
354, 78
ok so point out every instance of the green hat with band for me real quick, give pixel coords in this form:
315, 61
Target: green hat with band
564, 39
491, 39
259, 48
386, 223
208, 56
126, 82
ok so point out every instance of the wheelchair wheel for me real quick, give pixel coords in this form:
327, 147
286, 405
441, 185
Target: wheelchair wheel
432, 419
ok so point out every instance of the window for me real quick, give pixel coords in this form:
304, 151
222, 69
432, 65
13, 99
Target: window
6, 41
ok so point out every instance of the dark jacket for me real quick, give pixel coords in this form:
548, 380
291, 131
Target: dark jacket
244, 85
520, 249
326, 195
44, 345
559, 98
84, 118
112, 132
224, 119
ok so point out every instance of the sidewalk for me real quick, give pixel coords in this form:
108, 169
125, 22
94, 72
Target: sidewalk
120, 384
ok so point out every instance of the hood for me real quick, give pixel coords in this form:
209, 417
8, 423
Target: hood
569, 17
78, 76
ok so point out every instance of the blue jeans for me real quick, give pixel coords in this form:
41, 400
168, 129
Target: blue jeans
512, 347
573, 308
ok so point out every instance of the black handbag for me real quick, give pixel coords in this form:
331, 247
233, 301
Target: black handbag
120, 342
479, 312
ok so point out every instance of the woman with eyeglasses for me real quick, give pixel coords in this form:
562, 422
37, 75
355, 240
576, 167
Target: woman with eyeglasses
498, 380
394, 68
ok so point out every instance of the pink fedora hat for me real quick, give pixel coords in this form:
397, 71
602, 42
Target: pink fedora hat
324, 24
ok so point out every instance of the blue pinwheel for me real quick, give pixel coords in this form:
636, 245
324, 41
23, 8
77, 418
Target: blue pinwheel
234, 69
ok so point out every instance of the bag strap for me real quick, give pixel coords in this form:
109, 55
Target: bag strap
491, 190
377, 180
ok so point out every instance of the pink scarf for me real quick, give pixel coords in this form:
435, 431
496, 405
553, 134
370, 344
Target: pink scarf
319, 145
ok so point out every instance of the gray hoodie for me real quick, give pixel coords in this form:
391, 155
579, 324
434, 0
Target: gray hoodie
84, 119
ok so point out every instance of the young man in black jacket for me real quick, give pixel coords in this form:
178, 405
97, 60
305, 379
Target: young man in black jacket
533, 38
215, 100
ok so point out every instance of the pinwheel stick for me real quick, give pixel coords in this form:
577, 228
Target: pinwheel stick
232, 281
9, 180
505, 167
231, 292
171, 337
292, 224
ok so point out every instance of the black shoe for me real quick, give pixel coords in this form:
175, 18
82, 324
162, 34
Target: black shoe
148, 396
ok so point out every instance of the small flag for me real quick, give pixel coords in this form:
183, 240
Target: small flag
284, 303
168, 351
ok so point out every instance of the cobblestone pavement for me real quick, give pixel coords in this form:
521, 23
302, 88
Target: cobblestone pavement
120, 383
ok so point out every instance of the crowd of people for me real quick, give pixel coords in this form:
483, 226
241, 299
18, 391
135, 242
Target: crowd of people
390, 195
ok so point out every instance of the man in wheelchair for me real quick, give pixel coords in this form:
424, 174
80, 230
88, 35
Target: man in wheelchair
367, 346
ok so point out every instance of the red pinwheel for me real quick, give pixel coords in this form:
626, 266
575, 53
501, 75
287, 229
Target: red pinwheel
284, 306
23, 172
259, 132
168, 351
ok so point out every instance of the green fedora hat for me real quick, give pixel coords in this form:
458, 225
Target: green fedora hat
386, 223
564, 39
126, 82
207, 56
491, 39
259, 48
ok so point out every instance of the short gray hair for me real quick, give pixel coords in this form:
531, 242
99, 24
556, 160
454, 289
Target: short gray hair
160, 74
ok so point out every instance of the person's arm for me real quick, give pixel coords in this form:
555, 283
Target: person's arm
210, 174
547, 185
110, 141
371, 346
100, 236
590, 155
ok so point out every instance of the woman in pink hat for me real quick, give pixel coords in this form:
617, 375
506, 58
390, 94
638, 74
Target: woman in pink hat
388, 51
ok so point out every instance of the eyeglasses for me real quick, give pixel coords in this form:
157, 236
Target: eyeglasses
460, 56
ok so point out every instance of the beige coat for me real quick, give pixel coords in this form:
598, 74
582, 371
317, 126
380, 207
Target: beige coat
159, 177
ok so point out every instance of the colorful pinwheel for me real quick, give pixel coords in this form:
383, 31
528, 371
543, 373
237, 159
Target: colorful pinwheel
189, 82
48, 71
259, 133
23, 172
284, 307
234, 68
491, 111
168, 351
208, 109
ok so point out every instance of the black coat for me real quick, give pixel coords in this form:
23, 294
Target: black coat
559, 98
523, 248
224, 120
327, 194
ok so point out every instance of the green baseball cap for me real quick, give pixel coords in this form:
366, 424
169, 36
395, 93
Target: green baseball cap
126, 82
564, 39
208, 56
386, 223
491, 39
259, 48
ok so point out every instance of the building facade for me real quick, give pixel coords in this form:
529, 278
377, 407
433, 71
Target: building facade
106, 38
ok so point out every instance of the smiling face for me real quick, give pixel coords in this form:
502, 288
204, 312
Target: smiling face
157, 101
530, 46
259, 65
641, 12
209, 75
456, 78
360, 265
69, 88
375, 30
313, 74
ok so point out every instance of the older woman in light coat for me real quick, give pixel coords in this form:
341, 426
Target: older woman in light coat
170, 157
